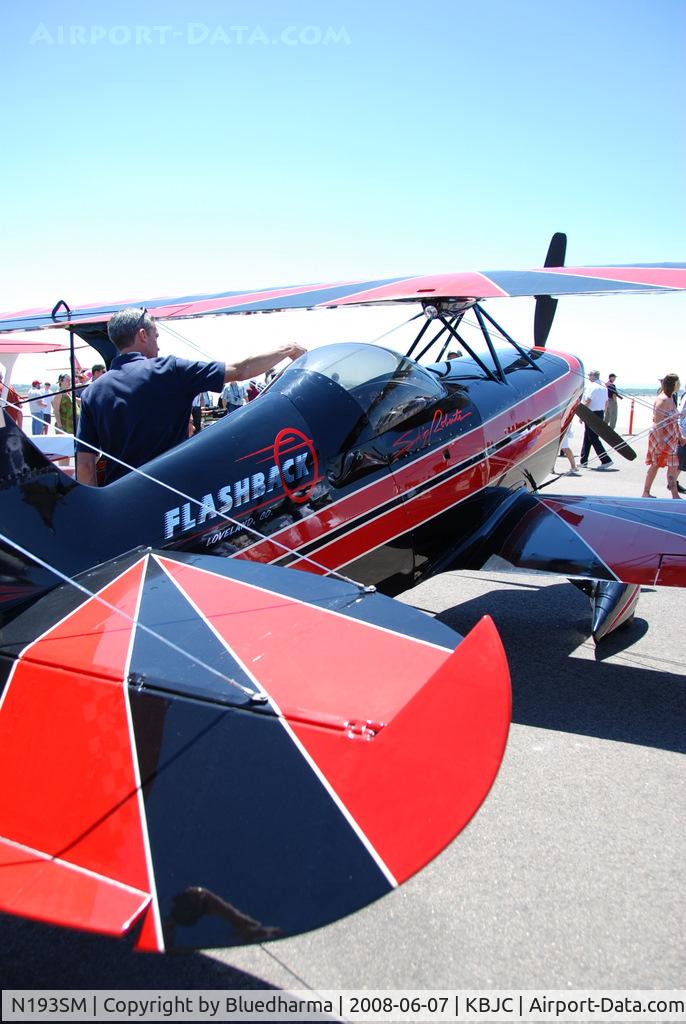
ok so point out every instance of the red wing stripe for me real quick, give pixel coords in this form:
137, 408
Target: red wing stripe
617, 519
632, 551
417, 288
45, 888
436, 721
251, 659
658, 277
255, 621
65, 742
22, 849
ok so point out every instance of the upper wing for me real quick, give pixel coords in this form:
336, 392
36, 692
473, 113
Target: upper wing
470, 285
225, 752
37, 346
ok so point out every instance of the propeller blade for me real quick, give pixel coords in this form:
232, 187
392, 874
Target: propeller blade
557, 250
605, 432
545, 304
544, 315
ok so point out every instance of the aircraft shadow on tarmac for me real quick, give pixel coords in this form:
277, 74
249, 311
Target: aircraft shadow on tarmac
36, 955
540, 628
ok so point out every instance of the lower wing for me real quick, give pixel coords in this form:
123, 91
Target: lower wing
619, 544
632, 540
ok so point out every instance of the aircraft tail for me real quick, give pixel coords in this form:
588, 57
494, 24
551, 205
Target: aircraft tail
32, 533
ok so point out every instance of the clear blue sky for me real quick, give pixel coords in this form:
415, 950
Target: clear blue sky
166, 147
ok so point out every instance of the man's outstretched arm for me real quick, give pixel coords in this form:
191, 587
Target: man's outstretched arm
261, 364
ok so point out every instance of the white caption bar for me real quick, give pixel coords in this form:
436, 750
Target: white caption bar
412, 1005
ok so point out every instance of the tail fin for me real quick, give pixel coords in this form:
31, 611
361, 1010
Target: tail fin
31, 489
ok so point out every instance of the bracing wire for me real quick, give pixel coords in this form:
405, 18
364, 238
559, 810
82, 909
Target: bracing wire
259, 698
646, 404
366, 589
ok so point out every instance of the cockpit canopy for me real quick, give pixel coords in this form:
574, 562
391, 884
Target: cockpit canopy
388, 387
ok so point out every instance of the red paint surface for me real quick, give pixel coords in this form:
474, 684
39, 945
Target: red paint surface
11, 346
316, 665
440, 719
413, 473
417, 783
672, 572
635, 552
48, 890
467, 285
70, 787
662, 277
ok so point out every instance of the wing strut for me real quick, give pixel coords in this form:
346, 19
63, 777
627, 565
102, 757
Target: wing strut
72, 364
498, 375
422, 331
515, 344
452, 323
449, 315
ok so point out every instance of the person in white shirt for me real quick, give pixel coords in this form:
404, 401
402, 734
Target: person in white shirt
595, 398
233, 396
47, 412
200, 402
38, 405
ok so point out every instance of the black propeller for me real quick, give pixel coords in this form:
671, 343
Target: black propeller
545, 304
604, 431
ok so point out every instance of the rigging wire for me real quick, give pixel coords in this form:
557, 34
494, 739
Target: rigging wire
397, 327
636, 398
182, 337
178, 336
256, 698
365, 589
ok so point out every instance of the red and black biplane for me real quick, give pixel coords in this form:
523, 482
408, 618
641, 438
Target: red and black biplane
201, 748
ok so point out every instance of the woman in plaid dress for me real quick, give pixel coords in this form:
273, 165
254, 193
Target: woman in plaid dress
665, 437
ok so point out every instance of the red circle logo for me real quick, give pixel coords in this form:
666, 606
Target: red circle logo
288, 445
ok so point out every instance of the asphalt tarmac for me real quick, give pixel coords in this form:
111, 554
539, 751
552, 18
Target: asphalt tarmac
570, 875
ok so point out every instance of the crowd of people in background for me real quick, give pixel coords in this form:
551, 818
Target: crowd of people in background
45, 403
234, 395
666, 441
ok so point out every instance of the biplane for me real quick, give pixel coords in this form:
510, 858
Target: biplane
205, 748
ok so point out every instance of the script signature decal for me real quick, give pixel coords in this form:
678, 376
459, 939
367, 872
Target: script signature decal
422, 437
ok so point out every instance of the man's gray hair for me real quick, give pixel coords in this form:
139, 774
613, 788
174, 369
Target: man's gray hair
125, 324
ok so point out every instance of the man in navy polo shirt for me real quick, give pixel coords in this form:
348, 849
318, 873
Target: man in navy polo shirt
140, 408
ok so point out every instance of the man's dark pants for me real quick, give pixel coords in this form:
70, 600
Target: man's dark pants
591, 440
